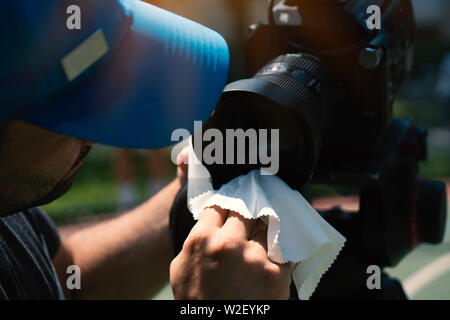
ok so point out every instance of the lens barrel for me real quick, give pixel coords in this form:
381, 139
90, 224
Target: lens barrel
295, 93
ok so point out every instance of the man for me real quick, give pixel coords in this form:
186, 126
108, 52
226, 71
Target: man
122, 73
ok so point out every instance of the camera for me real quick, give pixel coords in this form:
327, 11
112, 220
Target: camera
327, 81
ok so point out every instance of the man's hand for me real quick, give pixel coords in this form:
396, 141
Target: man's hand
182, 163
225, 257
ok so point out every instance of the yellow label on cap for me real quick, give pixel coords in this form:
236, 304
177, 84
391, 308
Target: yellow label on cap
85, 55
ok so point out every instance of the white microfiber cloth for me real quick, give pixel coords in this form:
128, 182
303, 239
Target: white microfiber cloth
296, 232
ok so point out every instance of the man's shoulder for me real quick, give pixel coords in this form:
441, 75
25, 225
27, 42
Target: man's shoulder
25, 214
28, 241
34, 222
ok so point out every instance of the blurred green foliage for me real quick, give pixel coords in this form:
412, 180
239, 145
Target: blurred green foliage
94, 190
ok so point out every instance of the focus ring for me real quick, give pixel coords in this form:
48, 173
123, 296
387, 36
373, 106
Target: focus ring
304, 62
289, 83
301, 74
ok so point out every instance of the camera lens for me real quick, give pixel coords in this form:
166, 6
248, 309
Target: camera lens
294, 94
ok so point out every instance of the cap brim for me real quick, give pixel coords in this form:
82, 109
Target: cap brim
167, 73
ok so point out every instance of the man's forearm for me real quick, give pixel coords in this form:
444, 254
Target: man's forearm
127, 257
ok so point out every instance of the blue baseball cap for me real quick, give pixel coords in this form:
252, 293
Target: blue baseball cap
117, 72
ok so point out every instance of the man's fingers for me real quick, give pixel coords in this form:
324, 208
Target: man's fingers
183, 159
183, 165
260, 237
260, 226
238, 226
183, 156
209, 221
213, 216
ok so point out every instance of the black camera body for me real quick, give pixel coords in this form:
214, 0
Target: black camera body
321, 64
368, 66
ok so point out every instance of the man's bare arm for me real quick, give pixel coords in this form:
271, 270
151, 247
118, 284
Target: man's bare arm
127, 257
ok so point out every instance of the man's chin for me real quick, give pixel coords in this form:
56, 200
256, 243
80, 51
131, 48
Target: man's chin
35, 184
58, 191
66, 183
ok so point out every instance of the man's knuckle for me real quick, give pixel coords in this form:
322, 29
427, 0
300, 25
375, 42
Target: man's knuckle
173, 264
196, 241
226, 246
273, 272
255, 258
282, 275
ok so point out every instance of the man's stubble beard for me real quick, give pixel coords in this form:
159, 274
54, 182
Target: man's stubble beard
32, 191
